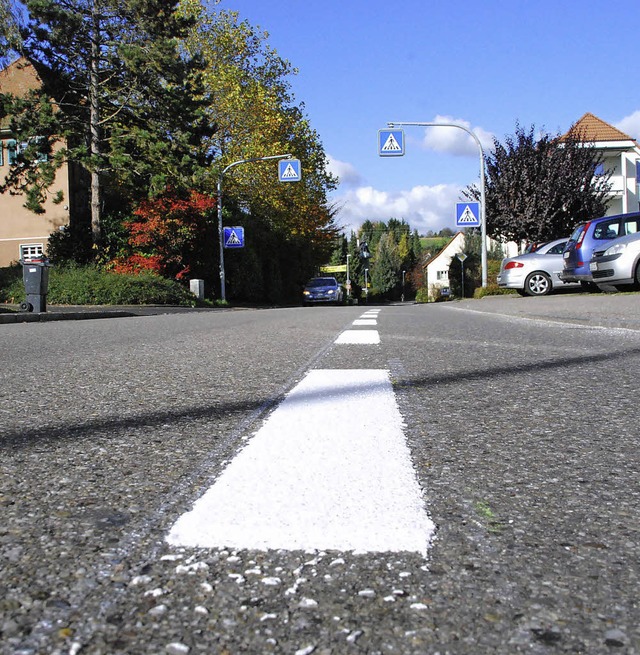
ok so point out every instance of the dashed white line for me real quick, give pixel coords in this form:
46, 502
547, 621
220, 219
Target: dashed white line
358, 337
329, 469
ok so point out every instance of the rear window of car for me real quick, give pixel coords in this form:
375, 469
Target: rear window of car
557, 249
577, 232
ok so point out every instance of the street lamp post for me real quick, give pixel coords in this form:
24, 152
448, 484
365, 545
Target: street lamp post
223, 288
483, 222
402, 299
348, 278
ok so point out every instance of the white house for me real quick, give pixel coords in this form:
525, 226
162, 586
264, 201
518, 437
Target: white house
436, 269
621, 155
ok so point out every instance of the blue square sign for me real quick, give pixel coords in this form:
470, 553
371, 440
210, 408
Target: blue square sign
391, 143
289, 170
233, 237
467, 214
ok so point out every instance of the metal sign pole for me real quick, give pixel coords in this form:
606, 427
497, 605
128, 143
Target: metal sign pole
483, 221
223, 286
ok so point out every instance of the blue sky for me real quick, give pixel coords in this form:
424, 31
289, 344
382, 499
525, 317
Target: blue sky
487, 64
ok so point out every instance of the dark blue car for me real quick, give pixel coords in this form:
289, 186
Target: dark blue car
322, 290
589, 236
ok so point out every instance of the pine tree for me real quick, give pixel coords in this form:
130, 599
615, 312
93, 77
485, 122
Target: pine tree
125, 100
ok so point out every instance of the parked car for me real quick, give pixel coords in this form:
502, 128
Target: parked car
618, 263
590, 236
322, 290
535, 273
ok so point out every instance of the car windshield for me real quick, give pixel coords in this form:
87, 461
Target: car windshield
322, 282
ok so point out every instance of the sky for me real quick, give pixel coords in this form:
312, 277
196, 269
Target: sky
488, 65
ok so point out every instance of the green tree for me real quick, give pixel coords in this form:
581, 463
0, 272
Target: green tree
118, 92
10, 40
386, 271
539, 186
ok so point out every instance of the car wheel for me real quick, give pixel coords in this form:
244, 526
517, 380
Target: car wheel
537, 284
636, 277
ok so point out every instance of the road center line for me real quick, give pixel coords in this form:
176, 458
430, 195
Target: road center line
358, 337
329, 469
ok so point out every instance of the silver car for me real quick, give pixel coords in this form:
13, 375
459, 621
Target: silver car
535, 273
617, 263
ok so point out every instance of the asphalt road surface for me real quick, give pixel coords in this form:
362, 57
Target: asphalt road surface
518, 417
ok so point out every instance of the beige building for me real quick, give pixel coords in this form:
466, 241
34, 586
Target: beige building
22, 232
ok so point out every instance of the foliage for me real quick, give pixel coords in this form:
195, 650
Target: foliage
118, 93
394, 248
492, 289
539, 187
250, 103
9, 29
91, 286
422, 295
169, 235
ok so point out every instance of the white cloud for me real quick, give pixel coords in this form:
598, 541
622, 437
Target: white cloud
630, 124
345, 172
456, 141
422, 207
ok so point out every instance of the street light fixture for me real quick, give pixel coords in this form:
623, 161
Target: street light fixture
223, 289
483, 221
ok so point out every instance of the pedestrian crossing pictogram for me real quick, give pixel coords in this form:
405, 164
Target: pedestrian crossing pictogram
289, 173
234, 237
390, 143
468, 214
289, 170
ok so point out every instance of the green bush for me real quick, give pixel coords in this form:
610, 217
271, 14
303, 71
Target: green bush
422, 295
88, 285
492, 289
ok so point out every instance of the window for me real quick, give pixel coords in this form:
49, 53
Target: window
30, 251
14, 148
442, 275
12, 151
607, 229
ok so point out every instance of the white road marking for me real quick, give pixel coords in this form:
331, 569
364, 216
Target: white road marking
358, 336
329, 469
365, 321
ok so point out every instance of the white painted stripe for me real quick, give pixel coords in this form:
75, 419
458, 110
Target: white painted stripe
365, 321
329, 469
358, 336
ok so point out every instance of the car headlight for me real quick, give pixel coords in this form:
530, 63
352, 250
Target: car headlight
306, 293
618, 249
331, 291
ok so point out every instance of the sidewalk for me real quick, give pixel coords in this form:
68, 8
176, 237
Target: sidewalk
12, 313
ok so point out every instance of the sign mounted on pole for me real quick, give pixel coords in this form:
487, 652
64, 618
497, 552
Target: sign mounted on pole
391, 143
234, 237
289, 170
468, 214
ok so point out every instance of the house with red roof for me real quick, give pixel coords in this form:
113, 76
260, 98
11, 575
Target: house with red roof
620, 154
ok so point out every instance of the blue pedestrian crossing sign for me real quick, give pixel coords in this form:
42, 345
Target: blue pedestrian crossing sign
467, 214
391, 143
233, 237
289, 170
